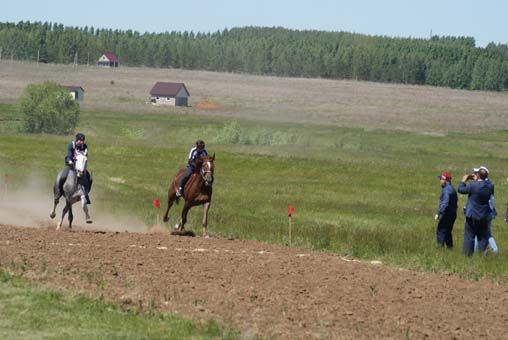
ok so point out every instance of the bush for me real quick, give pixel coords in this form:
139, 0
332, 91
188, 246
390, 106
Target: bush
232, 133
49, 108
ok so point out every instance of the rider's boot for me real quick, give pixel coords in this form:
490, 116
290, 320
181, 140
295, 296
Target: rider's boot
179, 192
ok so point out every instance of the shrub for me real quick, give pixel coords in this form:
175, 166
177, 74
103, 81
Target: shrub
232, 133
49, 108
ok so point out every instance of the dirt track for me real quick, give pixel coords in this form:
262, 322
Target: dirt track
261, 289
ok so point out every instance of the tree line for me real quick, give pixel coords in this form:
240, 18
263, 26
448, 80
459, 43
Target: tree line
448, 61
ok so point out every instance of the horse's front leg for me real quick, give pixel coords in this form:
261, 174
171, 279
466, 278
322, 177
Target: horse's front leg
64, 211
206, 207
185, 210
70, 216
85, 209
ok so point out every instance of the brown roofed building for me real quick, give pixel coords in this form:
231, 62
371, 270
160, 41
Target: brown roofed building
108, 59
175, 94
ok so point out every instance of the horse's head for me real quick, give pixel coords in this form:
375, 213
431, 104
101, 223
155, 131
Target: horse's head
206, 170
80, 163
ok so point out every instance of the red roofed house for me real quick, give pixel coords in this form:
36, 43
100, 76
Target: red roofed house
76, 92
108, 59
174, 94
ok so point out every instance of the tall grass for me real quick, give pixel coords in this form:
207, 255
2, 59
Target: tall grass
366, 193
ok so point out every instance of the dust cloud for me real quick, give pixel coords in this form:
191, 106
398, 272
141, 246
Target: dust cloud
29, 205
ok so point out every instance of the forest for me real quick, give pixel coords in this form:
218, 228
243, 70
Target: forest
448, 61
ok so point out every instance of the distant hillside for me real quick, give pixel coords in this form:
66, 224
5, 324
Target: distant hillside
441, 61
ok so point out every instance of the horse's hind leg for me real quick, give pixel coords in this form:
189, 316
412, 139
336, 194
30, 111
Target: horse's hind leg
57, 194
206, 207
171, 200
53, 213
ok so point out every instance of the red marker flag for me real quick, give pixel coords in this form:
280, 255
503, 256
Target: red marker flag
156, 203
291, 210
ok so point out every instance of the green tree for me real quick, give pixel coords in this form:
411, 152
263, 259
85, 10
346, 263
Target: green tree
49, 108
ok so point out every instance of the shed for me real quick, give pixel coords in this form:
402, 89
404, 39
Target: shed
108, 59
77, 92
165, 93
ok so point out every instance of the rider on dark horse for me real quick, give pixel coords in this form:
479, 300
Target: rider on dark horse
195, 154
77, 145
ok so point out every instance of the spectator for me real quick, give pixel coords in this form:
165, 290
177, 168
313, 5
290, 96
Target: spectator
477, 211
447, 211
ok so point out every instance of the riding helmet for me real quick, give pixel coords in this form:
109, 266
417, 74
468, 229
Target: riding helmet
80, 136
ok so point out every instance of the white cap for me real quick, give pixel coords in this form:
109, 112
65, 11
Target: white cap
484, 168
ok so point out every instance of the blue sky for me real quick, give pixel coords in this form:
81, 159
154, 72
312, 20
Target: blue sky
485, 20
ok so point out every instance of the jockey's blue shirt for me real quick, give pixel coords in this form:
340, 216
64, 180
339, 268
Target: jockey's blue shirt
196, 154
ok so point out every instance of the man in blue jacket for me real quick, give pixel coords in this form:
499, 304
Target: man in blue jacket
447, 211
493, 214
477, 211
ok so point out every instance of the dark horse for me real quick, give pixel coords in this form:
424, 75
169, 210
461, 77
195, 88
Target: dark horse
197, 191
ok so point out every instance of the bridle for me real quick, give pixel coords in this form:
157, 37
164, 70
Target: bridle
82, 159
207, 175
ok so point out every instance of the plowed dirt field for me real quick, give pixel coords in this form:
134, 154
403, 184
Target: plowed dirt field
260, 289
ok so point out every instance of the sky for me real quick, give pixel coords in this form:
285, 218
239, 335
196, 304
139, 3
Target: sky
485, 20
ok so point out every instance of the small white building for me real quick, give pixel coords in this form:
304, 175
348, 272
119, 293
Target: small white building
108, 59
77, 92
174, 94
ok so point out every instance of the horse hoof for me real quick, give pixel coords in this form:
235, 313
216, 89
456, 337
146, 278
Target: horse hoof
52, 215
58, 227
89, 221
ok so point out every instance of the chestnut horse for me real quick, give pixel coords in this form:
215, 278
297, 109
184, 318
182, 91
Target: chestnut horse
197, 191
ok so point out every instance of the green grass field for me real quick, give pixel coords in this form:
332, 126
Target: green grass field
366, 193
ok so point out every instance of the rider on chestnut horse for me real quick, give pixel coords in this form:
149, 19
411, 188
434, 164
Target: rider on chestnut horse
199, 176
195, 154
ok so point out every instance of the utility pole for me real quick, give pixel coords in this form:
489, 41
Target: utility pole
37, 57
88, 59
0, 53
76, 59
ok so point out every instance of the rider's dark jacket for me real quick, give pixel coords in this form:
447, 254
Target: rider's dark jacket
71, 149
480, 193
